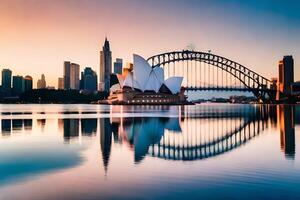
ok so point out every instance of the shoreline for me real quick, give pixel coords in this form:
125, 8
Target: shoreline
145, 104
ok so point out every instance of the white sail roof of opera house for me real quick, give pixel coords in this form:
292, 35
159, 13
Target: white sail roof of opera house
174, 84
131, 82
141, 71
159, 73
146, 78
153, 84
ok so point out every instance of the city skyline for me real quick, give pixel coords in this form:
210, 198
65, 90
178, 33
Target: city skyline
149, 99
255, 34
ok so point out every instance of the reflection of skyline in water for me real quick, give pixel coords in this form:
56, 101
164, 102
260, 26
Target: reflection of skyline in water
72, 128
27, 124
41, 123
89, 127
286, 115
187, 135
6, 126
105, 140
15, 125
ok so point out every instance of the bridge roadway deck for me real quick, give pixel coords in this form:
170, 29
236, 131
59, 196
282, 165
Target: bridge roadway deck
226, 89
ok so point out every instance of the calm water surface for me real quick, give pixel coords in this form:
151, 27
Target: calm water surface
205, 151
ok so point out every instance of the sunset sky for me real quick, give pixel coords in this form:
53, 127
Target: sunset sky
36, 36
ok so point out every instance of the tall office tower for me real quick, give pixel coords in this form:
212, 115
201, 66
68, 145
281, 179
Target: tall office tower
74, 76
41, 83
67, 69
18, 85
61, 83
88, 80
105, 65
286, 76
27, 83
6, 79
118, 65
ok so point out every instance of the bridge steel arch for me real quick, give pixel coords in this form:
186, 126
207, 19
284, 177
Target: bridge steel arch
253, 82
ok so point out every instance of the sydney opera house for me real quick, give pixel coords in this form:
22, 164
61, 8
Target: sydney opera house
146, 85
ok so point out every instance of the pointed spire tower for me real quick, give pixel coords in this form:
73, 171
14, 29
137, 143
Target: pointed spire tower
105, 66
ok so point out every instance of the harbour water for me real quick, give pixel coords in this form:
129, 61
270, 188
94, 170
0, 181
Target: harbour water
206, 151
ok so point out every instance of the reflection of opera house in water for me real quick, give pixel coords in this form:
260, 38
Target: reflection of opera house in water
146, 85
140, 133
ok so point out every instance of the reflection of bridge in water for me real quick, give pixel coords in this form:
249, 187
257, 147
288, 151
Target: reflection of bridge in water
197, 132
192, 146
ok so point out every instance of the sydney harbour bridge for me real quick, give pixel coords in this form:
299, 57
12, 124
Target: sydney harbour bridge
207, 71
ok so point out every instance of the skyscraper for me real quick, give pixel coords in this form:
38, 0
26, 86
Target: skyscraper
105, 65
286, 76
88, 80
67, 68
27, 83
6, 79
18, 85
118, 65
74, 76
61, 83
41, 83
